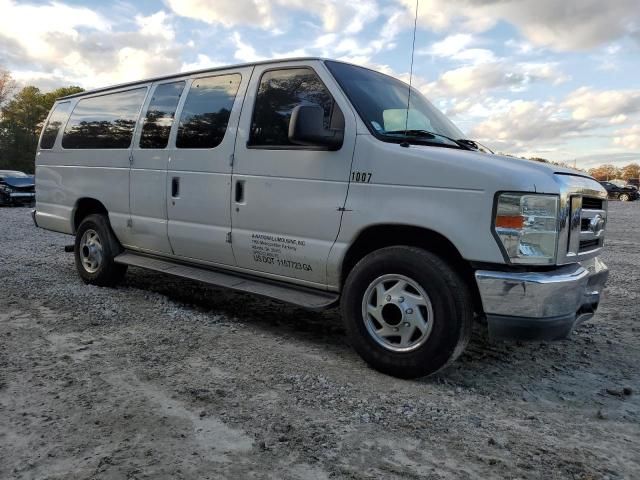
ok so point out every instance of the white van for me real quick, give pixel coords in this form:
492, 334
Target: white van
310, 181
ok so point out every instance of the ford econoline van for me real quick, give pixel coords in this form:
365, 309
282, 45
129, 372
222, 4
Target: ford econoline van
322, 183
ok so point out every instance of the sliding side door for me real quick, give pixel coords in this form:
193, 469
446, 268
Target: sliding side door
148, 177
198, 186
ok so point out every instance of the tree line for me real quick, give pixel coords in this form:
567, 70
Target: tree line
22, 115
611, 172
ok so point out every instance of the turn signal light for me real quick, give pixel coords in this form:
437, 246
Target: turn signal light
509, 221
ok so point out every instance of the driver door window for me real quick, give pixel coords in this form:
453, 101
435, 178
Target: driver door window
279, 92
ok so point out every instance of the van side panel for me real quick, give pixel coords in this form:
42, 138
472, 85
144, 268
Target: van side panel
66, 175
59, 187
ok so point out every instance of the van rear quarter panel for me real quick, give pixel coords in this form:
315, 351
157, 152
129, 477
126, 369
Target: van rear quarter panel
63, 176
59, 187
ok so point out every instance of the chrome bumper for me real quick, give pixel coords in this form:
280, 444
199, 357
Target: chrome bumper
541, 305
22, 195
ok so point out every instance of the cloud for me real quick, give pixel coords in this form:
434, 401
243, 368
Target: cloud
560, 25
587, 103
30, 26
500, 74
156, 25
456, 47
560, 129
522, 122
240, 12
60, 45
202, 61
618, 119
244, 51
336, 15
628, 138
450, 45
44, 80
522, 47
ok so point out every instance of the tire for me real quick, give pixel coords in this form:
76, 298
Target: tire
95, 248
624, 197
448, 320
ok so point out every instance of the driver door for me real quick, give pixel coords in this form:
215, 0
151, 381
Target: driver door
287, 199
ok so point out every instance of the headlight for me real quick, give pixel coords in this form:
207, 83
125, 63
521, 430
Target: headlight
526, 225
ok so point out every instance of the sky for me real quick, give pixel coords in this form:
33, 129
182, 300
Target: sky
558, 79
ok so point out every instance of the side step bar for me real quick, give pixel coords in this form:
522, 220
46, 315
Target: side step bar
304, 297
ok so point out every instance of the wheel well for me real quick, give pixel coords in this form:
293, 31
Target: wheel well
85, 207
380, 236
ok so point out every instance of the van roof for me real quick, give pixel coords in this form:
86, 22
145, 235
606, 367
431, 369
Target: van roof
183, 74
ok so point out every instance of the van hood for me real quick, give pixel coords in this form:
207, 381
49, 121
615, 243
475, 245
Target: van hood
533, 165
503, 171
457, 169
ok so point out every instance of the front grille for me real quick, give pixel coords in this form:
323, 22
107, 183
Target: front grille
582, 216
584, 224
592, 203
586, 245
592, 221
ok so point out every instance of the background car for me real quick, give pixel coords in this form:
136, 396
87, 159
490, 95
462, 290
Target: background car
17, 188
623, 194
634, 183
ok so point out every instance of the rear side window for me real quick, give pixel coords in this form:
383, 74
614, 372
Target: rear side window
58, 117
160, 114
106, 121
206, 111
279, 92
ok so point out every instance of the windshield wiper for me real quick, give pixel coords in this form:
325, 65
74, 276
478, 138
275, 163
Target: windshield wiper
428, 134
476, 145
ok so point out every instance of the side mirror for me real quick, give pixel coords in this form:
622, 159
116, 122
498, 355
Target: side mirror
306, 127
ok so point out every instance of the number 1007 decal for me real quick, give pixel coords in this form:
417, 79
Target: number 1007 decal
362, 177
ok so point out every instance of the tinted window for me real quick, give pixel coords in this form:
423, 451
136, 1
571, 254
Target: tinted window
57, 118
160, 114
279, 92
206, 111
104, 122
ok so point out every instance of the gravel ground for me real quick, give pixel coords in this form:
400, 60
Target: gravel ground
167, 378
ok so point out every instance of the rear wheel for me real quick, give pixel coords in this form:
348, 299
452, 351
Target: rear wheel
624, 197
95, 249
406, 311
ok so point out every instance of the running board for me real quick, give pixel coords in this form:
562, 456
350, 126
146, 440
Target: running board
304, 297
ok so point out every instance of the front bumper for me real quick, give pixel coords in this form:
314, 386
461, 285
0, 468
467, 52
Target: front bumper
541, 305
14, 198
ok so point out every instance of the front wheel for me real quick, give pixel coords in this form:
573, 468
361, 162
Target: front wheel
624, 197
95, 249
406, 311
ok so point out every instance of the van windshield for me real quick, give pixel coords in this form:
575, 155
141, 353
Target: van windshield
381, 102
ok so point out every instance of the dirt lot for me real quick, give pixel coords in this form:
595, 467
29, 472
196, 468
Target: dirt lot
167, 378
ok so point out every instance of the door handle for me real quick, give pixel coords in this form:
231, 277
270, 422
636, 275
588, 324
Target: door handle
175, 187
239, 191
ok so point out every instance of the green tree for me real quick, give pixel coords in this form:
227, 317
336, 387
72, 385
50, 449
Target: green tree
21, 121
